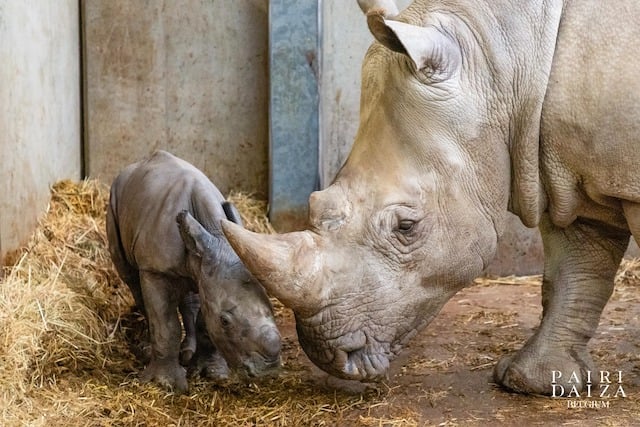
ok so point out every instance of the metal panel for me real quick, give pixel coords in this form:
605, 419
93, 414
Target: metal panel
293, 109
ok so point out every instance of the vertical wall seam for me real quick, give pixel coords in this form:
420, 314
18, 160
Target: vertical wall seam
84, 137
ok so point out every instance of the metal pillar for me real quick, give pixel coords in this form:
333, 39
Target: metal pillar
293, 109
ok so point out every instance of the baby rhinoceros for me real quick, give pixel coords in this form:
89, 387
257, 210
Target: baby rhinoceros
166, 244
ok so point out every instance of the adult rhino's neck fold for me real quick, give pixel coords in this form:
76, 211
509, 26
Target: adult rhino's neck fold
530, 81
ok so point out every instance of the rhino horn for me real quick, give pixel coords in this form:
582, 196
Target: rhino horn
288, 265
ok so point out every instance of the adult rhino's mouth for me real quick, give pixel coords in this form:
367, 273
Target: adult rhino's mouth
362, 365
355, 356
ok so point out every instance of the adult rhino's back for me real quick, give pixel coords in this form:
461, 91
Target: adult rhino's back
142, 215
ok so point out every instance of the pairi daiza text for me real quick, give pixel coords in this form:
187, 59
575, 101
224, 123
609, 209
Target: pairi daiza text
608, 384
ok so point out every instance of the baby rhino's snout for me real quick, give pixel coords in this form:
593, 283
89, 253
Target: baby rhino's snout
270, 343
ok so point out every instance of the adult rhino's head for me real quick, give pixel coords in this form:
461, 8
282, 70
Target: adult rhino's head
236, 310
415, 212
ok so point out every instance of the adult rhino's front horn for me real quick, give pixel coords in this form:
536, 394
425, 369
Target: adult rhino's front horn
288, 265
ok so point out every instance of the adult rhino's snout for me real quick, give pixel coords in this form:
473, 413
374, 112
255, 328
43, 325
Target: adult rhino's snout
352, 357
360, 364
364, 366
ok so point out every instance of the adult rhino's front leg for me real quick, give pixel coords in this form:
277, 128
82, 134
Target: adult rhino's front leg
580, 264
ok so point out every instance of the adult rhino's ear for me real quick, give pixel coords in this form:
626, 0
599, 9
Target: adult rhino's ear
195, 237
433, 52
388, 7
231, 212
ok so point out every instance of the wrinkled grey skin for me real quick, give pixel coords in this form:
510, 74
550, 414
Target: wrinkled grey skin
166, 244
470, 109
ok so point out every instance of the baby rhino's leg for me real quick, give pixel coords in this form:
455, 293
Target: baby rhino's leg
207, 361
189, 308
161, 304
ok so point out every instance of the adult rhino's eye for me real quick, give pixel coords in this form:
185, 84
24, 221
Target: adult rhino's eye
405, 225
427, 72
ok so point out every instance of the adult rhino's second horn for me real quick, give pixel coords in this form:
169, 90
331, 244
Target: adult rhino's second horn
288, 265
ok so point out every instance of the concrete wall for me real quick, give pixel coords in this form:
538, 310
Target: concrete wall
39, 109
190, 77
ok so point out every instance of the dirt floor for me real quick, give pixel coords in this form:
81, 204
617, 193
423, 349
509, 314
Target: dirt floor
444, 377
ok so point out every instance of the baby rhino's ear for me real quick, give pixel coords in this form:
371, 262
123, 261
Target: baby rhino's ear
196, 238
231, 212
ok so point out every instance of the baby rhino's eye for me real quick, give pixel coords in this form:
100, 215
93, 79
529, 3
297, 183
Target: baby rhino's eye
225, 320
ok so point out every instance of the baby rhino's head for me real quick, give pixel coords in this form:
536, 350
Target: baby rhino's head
235, 307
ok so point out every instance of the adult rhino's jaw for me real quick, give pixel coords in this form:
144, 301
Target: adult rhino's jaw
353, 358
365, 353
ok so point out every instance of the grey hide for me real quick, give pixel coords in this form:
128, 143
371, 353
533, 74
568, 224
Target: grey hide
166, 244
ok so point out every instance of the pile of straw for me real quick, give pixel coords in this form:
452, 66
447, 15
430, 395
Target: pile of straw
252, 211
64, 322
59, 302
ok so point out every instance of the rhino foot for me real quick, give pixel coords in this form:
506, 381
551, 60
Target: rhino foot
217, 371
553, 373
212, 366
171, 376
186, 354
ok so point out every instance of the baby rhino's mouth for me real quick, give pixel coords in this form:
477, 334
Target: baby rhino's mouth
259, 366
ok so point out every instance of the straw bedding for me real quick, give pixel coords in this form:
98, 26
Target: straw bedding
66, 328
64, 322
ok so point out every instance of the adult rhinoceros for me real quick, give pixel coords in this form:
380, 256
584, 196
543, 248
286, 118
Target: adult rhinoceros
471, 109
